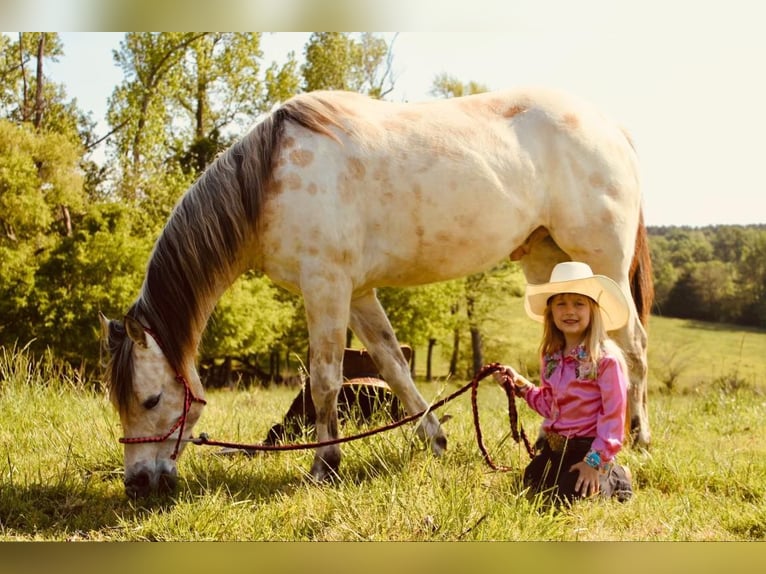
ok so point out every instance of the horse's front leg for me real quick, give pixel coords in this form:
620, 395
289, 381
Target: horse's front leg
326, 299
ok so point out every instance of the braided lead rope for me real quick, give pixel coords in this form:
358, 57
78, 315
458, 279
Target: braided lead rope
516, 430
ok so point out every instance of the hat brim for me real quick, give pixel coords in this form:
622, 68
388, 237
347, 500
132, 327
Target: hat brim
614, 306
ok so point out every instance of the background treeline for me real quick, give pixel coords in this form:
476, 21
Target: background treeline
75, 233
715, 273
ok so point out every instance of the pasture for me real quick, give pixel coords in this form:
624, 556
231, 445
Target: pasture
702, 479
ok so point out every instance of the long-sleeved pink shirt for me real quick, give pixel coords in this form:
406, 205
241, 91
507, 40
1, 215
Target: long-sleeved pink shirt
575, 403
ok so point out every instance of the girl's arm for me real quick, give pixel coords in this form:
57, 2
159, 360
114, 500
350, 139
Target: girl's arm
610, 427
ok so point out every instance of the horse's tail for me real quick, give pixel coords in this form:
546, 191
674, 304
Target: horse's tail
641, 280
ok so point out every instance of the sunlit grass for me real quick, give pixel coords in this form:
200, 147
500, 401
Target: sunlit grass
702, 479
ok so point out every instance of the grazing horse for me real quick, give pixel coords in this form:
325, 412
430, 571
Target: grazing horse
333, 194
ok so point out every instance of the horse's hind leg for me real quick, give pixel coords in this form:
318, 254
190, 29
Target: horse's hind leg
633, 340
369, 322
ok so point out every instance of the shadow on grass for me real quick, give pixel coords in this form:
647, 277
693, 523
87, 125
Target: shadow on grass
241, 476
99, 509
720, 327
56, 511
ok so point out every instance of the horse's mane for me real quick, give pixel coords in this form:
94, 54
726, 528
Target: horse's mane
200, 249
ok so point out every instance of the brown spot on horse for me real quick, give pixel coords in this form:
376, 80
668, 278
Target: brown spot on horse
356, 168
301, 157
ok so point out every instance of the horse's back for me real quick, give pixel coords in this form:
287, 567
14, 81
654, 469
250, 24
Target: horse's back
410, 193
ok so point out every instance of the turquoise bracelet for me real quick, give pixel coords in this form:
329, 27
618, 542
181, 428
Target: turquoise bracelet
593, 459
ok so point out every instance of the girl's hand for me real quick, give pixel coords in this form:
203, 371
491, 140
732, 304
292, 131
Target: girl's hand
506, 371
587, 481
520, 384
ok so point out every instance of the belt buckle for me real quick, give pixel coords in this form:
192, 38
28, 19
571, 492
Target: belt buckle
556, 441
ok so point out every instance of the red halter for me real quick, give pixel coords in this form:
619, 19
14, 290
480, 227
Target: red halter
189, 398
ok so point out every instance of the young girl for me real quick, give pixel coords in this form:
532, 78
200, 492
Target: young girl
582, 396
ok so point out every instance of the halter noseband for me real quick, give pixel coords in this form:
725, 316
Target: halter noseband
189, 398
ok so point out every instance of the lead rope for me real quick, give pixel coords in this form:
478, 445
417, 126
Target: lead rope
517, 431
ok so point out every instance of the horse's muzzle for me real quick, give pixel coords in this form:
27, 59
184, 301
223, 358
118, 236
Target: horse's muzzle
142, 484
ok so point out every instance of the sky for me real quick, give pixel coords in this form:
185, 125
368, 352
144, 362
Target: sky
684, 78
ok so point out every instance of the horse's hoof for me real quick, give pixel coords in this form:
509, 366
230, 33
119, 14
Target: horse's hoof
324, 470
639, 435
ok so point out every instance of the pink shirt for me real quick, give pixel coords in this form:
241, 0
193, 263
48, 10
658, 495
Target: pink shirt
584, 405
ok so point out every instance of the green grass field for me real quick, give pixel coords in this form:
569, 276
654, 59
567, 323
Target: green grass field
702, 479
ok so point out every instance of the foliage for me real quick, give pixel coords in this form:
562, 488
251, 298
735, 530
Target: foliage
419, 314
339, 61
447, 86
248, 320
107, 255
715, 273
26, 94
39, 188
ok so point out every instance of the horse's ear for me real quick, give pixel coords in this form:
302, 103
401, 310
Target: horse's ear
104, 325
135, 331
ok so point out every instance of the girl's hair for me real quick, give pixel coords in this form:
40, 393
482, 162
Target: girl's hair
597, 341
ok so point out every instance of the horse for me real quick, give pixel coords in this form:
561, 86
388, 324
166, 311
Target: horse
333, 194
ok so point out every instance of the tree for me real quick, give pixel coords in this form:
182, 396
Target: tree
42, 201
282, 82
422, 315
220, 89
714, 285
688, 246
38, 175
26, 94
714, 273
666, 274
99, 268
185, 98
752, 278
248, 321
447, 86
23, 93
339, 61
137, 110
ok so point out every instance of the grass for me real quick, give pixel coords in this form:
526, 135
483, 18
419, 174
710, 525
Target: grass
702, 479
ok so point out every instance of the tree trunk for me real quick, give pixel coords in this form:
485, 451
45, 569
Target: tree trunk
429, 359
38, 119
274, 367
67, 218
477, 349
226, 374
455, 352
24, 103
476, 344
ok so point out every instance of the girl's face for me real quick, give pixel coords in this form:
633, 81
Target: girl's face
571, 315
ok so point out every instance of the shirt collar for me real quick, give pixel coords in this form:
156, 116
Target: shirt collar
577, 353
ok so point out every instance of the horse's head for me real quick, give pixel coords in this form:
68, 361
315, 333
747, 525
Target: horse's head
156, 404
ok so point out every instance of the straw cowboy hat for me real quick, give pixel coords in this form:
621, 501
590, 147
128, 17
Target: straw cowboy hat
576, 277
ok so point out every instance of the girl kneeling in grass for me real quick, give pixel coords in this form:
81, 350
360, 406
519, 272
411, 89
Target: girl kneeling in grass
582, 395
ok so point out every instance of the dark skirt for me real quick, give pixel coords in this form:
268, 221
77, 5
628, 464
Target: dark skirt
548, 473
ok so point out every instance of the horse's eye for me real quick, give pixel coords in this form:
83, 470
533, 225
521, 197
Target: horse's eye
151, 402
